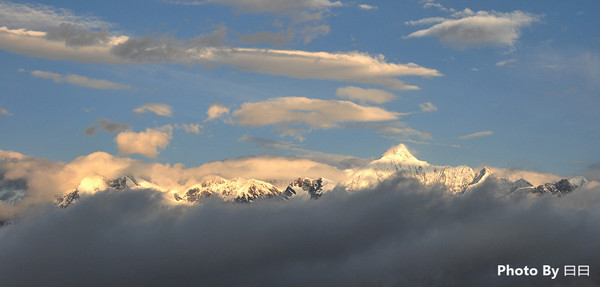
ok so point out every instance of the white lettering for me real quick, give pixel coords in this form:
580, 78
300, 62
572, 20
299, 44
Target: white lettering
547, 270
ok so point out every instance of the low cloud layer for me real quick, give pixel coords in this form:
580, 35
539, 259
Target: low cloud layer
469, 29
399, 234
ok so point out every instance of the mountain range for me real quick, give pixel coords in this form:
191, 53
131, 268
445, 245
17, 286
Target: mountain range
396, 162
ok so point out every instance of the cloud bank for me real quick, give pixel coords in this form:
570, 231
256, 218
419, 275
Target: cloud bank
395, 235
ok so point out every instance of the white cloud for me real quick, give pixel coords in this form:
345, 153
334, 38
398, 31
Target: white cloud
365, 95
428, 107
157, 108
80, 81
348, 67
480, 29
317, 114
216, 111
367, 7
476, 135
5, 112
145, 143
502, 63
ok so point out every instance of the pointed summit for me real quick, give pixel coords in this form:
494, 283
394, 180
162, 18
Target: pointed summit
400, 154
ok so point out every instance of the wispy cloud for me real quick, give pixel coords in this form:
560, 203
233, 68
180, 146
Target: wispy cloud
81, 81
148, 143
367, 7
502, 63
108, 126
365, 95
475, 29
428, 107
160, 109
396, 130
190, 128
476, 135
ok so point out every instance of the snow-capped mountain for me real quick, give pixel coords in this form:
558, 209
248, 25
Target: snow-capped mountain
98, 183
396, 162
12, 191
237, 189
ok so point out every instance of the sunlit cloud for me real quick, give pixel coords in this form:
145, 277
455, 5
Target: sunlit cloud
216, 111
352, 67
148, 143
314, 113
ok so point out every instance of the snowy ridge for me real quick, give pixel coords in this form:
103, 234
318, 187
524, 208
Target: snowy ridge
396, 162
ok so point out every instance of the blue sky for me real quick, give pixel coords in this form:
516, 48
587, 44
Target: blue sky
510, 84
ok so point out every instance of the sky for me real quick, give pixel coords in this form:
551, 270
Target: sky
171, 92
509, 84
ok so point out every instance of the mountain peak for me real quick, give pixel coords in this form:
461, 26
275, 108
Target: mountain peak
400, 153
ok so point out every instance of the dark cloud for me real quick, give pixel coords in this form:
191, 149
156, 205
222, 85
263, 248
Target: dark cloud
76, 36
108, 126
399, 234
